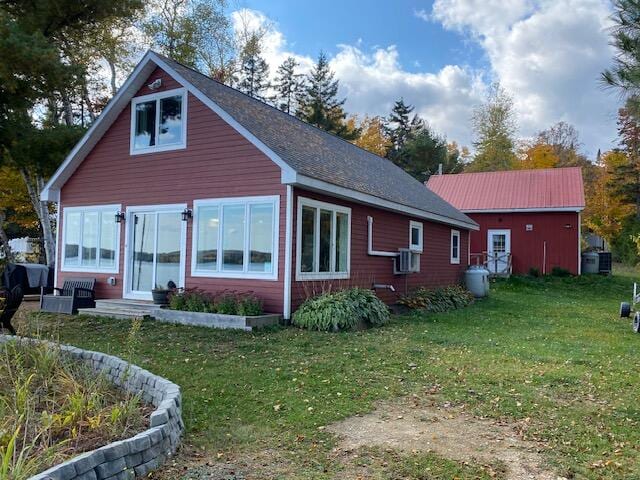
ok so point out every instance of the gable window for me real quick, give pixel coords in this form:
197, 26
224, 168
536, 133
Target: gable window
323, 240
415, 236
455, 246
158, 122
90, 239
236, 237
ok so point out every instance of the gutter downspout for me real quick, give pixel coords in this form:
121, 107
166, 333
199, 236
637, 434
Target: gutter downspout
288, 239
370, 250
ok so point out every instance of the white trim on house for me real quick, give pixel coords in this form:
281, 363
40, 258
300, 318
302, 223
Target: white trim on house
348, 194
332, 275
157, 97
579, 244
576, 209
102, 209
56, 255
417, 247
288, 241
453, 259
161, 208
274, 200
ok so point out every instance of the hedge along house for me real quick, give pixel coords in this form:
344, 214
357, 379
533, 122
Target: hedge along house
530, 218
184, 179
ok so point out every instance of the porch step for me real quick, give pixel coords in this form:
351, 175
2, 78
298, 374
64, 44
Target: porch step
122, 309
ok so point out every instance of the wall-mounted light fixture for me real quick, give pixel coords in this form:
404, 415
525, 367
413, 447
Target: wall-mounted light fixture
187, 213
120, 217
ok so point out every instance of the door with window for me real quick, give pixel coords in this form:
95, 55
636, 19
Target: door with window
155, 250
498, 250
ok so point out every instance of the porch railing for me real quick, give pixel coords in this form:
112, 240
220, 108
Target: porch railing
498, 264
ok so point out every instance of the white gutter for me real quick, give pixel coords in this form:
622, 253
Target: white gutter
370, 250
288, 244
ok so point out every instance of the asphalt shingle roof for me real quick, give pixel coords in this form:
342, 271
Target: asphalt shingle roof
317, 154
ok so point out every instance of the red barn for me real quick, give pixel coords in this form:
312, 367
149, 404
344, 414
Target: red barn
185, 180
530, 218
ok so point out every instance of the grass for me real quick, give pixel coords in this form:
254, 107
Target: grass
548, 353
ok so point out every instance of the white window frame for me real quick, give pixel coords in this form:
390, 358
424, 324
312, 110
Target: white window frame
102, 209
246, 202
419, 246
456, 234
318, 205
157, 97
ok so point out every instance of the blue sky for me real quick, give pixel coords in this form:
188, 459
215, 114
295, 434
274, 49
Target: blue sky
441, 56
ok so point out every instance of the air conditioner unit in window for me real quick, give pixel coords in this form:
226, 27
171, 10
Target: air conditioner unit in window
407, 261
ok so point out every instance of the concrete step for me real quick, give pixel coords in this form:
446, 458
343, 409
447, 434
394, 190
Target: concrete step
114, 312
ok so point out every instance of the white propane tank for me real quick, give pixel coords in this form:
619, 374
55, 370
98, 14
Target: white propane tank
477, 280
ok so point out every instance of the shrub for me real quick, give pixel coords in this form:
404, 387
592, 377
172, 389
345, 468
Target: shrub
192, 300
250, 305
438, 300
342, 310
227, 304
534, 272
560, 272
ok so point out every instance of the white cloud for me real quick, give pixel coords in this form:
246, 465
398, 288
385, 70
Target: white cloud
548, 55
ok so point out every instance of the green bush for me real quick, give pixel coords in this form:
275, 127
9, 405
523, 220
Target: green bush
250, 305
342, 310
228, 303
623, 247
438, 300
534, 272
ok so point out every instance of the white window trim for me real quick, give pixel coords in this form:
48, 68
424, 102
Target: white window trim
455, 260
157, 97
417, 247
246, 201
110, 210
303, 276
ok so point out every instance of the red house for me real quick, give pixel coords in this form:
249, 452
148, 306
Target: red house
184, 179
528, 217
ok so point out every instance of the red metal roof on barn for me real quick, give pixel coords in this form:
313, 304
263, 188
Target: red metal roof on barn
550, 188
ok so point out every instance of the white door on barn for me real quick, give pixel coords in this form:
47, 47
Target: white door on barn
498, 250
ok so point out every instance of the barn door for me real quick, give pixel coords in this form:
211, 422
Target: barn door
498, 251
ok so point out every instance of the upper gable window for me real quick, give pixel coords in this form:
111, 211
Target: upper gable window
158, 122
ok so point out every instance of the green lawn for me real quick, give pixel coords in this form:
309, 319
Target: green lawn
548, 350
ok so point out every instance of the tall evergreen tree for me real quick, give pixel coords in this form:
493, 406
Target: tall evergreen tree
254, 70
319, 103
495, 128
400, 127
288, 86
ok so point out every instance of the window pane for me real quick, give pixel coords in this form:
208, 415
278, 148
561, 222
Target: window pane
170, 120
207, 244
307, 255
455, 240
233, 238
326, 217
89, 239
261, 238
415, 236
144, 232
342, 241
72, 239
145, 129
168, 250
107, 241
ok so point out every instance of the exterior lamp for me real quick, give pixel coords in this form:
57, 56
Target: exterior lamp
120, 217
186, 214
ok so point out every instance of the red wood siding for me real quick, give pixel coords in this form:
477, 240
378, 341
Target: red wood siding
390, 232
527, 248
218, 162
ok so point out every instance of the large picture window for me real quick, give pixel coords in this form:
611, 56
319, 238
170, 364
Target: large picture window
158, 122
236, 237
90, 239
324, 238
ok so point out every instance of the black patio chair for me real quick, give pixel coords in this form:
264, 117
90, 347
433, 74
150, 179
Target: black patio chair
75, 293
12, 299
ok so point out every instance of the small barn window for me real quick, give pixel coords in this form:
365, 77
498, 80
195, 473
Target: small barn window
323, 240
415, 236
158, 122
455, 246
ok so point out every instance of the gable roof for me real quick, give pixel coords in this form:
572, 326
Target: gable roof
549, 189
308, 157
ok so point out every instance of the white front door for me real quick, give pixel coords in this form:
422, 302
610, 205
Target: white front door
498, 250
155, 249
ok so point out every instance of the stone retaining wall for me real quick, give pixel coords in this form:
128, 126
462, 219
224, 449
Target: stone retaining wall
135, 456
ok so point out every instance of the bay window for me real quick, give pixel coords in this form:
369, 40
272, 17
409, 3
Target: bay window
90, 239
236, 237
324, 236
158, 122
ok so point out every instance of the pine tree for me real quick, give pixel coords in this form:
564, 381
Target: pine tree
254, 70
401, 126
319, 104
288, 86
